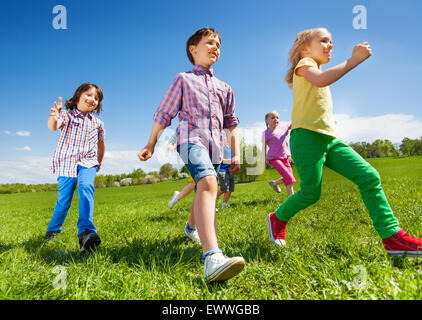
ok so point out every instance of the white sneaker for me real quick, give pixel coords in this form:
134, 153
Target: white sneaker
173, 200
193, 236
218, 267
274, 186
225, 205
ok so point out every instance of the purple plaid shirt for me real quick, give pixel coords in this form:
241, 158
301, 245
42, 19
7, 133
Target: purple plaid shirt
205, 105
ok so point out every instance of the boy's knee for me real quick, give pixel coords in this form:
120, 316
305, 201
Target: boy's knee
208, 183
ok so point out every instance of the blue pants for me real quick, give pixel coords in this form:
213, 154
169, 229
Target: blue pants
67, 185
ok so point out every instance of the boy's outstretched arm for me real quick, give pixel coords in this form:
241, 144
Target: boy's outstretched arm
319, 78
148, 150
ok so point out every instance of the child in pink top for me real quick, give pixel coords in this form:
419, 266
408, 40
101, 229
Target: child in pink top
278, 152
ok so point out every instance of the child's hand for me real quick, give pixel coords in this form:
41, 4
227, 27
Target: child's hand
361, 52
234, 165
55, 111
146, 153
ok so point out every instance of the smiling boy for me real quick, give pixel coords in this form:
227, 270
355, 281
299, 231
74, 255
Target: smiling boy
205, 106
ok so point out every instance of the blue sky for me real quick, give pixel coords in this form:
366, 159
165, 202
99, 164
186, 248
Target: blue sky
133, 50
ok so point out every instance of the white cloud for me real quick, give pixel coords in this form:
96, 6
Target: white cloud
26, 148
23, 133
393, 127
7, 132
30, 170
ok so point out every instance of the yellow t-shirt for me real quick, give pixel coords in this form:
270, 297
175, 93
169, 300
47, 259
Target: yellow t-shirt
312, 106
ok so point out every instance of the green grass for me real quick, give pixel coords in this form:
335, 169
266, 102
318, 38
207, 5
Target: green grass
332, 250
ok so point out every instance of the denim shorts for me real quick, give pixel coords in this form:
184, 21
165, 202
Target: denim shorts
198, 161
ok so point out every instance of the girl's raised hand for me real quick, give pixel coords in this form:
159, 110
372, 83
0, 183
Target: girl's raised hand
361, 52
55, 111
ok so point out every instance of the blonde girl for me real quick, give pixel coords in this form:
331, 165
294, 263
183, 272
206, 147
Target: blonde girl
313, 143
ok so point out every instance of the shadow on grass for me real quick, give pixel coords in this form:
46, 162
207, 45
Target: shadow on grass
49, 253
159, 255
4, 247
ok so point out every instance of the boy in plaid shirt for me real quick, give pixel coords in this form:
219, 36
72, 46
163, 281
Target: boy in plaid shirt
205, 106
77, 159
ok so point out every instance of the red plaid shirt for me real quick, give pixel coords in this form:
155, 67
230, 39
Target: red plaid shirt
205, 105
77, 143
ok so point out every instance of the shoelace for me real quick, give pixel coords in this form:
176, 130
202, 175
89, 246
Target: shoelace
218, 258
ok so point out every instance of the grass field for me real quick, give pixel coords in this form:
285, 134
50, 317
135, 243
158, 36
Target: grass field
332, 250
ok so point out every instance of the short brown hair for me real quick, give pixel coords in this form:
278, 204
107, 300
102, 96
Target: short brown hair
197, 37
72, 102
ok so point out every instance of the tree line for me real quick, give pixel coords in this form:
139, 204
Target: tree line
377, 149
385, 148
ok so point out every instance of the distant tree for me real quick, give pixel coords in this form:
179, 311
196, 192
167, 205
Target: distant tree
185, 170
167, 170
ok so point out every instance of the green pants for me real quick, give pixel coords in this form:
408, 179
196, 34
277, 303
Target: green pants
310, 152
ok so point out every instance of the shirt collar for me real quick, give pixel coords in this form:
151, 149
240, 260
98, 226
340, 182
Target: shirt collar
197, 69
79, 114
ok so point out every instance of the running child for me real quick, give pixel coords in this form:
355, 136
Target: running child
314, 144
278, 152
205, 106
78, 157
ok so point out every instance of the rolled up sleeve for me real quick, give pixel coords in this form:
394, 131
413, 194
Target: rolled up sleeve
171, 103
230, 118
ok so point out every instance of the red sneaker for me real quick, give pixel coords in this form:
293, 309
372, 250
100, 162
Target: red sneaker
403, 243
277, 230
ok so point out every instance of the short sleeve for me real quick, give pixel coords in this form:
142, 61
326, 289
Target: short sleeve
171, 103
63, 119
101, 133
308, 62
263, 140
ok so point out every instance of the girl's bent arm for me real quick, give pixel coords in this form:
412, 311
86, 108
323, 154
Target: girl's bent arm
319, 78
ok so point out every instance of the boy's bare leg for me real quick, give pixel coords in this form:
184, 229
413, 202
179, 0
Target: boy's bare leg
227, 196
204, 212
191, 219
185, 191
